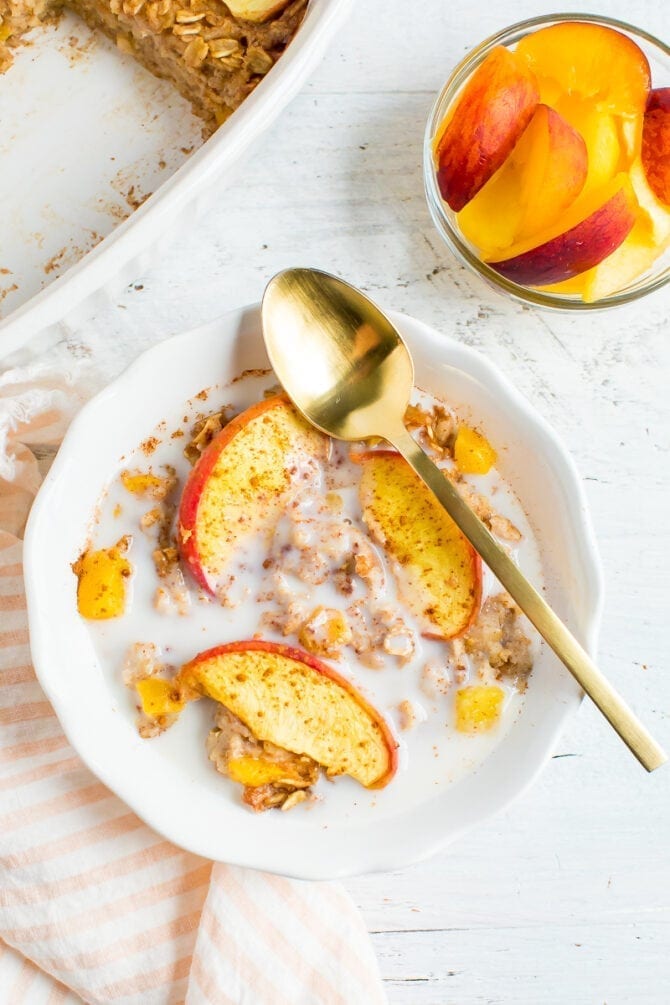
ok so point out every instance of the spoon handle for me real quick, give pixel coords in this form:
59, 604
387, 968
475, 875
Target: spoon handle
536, 609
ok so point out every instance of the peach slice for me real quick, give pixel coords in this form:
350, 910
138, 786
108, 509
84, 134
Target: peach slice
293, 700
652, 210
554, 170
473, 453
439, 572
241, 483
490, 115
256, 10
542, 176
596, 63
491, 220
656, 143
601, 133
628, 263
591, 230
647, 240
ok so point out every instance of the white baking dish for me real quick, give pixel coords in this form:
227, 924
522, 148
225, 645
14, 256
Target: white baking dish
86, 133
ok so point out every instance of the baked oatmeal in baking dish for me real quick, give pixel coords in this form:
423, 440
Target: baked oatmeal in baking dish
327, 610
214, 53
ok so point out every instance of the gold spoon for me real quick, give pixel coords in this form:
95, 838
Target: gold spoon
346, 368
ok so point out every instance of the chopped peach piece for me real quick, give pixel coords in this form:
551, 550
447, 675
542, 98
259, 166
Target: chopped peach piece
159, 697
255, 771
101, 587
478, 707
599, 64
492, 112
473, 453
630, 137
141, 483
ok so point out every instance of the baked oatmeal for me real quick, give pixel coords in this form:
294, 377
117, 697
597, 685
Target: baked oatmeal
214, 53
247, 524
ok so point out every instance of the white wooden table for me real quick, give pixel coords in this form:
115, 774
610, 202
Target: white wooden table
565, 898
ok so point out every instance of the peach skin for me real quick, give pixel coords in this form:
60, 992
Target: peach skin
656, 143
492, 112
593, 229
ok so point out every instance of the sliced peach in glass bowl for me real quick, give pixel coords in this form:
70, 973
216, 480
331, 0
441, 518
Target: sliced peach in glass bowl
601, 133
577, 63
591, 61
545, 247
656, 143
632, 258
492, 112
587, 233
490, 221
542, 176
652, 210
649, 238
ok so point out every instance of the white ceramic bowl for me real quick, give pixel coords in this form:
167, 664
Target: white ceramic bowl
53, 101
181, 801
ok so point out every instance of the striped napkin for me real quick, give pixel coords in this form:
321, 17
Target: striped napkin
93, 904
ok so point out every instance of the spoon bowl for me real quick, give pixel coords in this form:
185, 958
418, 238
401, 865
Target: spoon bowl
346, 368
344, 365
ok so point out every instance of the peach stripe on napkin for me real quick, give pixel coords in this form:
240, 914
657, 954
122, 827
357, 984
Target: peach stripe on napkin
93, 904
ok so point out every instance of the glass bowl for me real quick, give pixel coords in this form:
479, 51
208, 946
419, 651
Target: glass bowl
658, 54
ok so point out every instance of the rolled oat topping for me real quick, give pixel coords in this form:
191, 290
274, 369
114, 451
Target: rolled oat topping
498, 639
172, 38
204, 431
